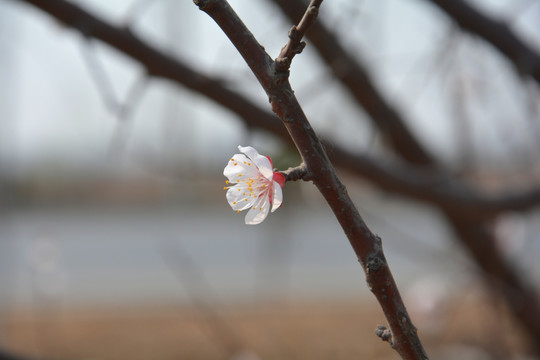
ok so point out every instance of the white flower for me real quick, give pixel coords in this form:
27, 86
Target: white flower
255, 186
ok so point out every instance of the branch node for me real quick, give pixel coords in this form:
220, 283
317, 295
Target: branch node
293, 32
282, 64
299, 172
281, 70
296, 33
300, 47
385, 335
374, 263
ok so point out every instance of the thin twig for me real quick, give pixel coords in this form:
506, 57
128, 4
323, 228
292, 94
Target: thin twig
98, 74
295, 45
299, 172
354, 75
124, 115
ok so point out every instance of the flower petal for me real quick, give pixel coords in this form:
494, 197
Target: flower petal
280, 178
240, 168
262, 162
239, 198
277, 197
259, 211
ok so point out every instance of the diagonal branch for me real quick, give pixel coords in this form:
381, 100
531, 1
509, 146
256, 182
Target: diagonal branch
296, 173
497, 33
367, 246
420, 184
295, 45
464, 207
470, 227
355, 77
157, 63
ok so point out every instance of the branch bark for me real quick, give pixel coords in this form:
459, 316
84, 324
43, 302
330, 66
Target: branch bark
470, 226
355, 76
295, 45
367, 246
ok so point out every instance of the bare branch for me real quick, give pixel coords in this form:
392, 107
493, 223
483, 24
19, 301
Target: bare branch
354, 76
497, 33
124, 115
299, 172
253, 53
295, 45
98, 74
468, 210
522, 298
421, 184
366, 245
469, 225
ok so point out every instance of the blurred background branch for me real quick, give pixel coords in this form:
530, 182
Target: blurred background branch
525, 59
458, 133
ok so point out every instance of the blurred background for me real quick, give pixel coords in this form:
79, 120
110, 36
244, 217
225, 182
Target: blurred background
116, 240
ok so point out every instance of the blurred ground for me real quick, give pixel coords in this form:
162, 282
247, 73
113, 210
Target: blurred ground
331, 330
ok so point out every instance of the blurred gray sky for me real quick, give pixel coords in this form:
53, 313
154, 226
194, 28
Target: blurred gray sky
52, 112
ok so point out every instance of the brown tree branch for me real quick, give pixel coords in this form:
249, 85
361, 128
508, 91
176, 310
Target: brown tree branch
469, 225
355, 77
157, 63
526, 61
296, 173
522, 298
367, 246
295, 45
437, 189
420, 184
